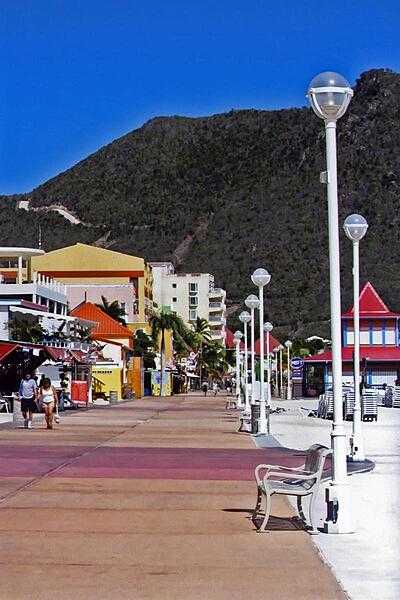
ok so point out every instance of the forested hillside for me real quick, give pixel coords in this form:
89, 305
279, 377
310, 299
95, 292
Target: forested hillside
231, 192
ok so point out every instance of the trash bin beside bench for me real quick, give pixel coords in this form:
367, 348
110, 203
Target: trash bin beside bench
300, 482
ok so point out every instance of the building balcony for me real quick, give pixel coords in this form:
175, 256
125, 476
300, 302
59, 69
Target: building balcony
217, 293
217, 320
217, 306
42, 287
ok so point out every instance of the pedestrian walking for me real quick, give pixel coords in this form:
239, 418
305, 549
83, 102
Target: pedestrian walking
215, 388
204, 387
28, 395
48, 396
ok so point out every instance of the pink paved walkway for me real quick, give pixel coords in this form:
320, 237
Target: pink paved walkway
146, 500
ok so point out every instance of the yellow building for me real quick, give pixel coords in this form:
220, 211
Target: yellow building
90, 273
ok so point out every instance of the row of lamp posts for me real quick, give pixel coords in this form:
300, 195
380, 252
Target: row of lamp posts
329, 95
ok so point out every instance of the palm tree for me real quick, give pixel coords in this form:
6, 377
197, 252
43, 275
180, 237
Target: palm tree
214, 359
113, 309
161, 322
202, 335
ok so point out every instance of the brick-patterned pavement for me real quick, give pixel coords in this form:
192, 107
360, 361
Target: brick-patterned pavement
147, 500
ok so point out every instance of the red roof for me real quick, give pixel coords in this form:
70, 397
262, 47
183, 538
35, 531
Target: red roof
371, 305
371, 353
230, 341
273, 343
106, 327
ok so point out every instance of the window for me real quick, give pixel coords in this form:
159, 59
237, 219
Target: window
193, 301
174, 286
193, 289
173, 299
192, 315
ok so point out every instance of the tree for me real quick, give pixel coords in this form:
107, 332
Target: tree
144, 347
214, 359
202, 335
25, 329
162, 321
113, 309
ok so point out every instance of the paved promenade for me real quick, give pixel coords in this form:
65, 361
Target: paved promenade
147, 500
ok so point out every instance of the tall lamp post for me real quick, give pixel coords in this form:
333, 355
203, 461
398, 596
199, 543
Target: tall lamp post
276, 390
330, 94
252, 302
355, 227
245, 318
288, 345
260, 278
237, 337
268, 327
280, 348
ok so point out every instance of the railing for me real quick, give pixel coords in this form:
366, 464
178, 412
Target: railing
216, 319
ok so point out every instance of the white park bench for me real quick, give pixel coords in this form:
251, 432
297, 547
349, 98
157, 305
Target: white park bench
300, 481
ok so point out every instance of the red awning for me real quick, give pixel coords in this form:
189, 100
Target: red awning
57, 354
6, 348
370, 353
78, 356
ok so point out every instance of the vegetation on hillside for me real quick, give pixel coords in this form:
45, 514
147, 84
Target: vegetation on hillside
232, 192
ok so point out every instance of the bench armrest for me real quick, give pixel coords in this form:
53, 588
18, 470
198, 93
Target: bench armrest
269, 467
304, 476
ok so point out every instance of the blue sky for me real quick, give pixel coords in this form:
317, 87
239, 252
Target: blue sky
76, 75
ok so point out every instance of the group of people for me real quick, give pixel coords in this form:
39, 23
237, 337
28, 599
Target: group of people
34, 396
215, 387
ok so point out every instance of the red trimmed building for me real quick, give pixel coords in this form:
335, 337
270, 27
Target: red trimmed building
379, 346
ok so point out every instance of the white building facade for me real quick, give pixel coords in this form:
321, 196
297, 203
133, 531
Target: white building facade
31, 297
191, 296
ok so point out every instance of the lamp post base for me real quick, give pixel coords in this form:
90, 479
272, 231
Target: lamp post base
339, 517
357, 448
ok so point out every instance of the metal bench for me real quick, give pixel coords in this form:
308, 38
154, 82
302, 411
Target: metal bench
4, 403
301, 481
231, 403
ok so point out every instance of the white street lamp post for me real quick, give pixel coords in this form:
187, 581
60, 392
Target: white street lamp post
252, 302
356, 227
245, 317
260, 278
275, 351
280, 348
330, 95
288, 345
268, 327
237, 337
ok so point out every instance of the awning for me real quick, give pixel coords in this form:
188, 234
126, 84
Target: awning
39, 313
6, 348
57, 354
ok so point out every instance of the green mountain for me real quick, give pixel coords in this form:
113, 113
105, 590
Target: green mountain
235, 191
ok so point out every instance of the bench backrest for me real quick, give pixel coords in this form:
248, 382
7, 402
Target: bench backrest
315, 459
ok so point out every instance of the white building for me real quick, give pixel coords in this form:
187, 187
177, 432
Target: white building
30, 296
190, 295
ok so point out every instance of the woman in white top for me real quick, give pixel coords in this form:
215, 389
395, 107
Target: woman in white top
48, 397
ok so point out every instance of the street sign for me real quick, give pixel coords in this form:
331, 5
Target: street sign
297, 367
296, 362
